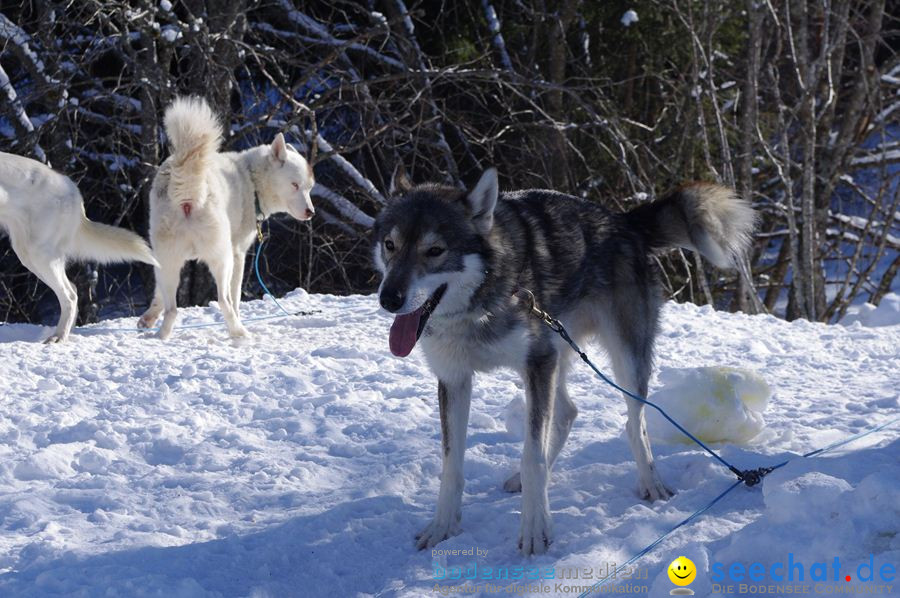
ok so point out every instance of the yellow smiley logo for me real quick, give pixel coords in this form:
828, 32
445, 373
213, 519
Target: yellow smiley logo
682, 571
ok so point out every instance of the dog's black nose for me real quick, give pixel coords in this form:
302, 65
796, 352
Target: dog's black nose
392, 300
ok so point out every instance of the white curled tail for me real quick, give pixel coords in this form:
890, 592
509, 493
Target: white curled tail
194, 134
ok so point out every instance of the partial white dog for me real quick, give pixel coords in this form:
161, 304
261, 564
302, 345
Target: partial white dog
204, 204
43, 213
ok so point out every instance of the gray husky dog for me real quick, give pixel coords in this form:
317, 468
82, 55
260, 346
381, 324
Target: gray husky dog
454, 264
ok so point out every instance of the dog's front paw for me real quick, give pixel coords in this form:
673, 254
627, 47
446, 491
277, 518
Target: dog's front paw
437, 531
53, 339
513, 483
537, 531
654, 489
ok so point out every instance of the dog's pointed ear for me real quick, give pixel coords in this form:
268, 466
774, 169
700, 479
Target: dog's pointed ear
400, 183
482, 200
279, 149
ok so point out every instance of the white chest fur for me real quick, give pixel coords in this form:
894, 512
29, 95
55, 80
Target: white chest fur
456, 348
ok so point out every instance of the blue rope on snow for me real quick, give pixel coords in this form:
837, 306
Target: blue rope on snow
750, 477
606, 379
734, 485
260, 280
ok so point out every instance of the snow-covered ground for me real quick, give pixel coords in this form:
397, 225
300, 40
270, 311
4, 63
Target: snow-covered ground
302, 461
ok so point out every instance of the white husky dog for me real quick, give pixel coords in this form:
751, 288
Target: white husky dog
204, 204
43, 213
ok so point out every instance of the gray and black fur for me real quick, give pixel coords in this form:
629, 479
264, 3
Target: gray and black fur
591, 268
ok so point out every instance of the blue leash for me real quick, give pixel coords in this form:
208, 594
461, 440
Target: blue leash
659, 540
749, 477
594, 588
265, 289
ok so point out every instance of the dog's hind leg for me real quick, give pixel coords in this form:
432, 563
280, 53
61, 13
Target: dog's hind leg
564, 414
222, 269
541, 372
52, 271
453, 400
56, 279
631, 356
167, 276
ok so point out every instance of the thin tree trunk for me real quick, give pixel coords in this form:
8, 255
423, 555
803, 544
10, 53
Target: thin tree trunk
557, 54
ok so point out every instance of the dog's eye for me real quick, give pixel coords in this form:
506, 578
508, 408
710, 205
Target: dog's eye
296, 186
388, 244
434, 251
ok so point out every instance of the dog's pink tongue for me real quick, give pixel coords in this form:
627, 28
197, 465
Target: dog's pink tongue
403, 333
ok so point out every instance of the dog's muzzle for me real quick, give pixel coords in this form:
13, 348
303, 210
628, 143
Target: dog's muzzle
407, 328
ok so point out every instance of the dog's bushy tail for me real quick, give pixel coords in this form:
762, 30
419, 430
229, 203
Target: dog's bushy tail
702, 217
103, 243
194, 134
